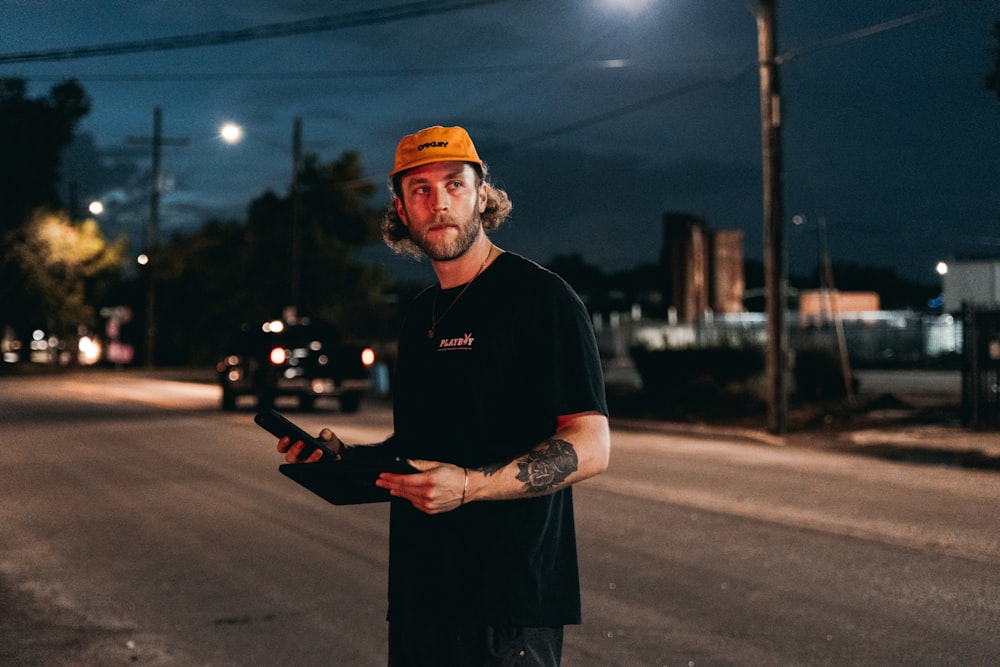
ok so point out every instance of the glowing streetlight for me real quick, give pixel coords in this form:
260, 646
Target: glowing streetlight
941, 268
96, 207
632, 7
231, 133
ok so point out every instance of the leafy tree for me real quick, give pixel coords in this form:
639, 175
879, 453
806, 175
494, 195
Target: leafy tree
33, 132
65, 268
203, 292
334, 220
228, 273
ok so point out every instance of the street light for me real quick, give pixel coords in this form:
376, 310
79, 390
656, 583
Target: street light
231, 133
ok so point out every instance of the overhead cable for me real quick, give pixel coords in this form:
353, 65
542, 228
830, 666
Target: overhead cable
269, 31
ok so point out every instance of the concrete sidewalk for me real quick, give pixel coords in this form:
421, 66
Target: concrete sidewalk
920, 443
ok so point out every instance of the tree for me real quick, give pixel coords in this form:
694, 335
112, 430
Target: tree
65, 268
227, 273
33, 132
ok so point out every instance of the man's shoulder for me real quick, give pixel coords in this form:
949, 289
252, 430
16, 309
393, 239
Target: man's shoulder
521, 268
527, 282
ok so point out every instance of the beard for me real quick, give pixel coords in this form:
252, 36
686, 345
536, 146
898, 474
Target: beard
443, 251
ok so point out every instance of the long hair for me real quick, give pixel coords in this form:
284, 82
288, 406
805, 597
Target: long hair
397, 235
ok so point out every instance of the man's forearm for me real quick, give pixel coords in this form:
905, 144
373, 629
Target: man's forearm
576, 452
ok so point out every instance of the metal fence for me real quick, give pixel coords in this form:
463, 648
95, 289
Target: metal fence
881, 339
981, 369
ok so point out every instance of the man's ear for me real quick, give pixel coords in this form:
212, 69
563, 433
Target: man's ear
483, 198
400, 210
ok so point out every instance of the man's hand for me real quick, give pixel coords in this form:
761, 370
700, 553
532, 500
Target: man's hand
293, 450
437, 488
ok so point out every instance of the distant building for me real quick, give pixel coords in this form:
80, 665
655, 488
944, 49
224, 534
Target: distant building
972, 282
702, 269
817, 307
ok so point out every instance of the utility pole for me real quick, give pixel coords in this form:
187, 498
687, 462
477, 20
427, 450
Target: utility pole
151, 236
295, 234
776, 355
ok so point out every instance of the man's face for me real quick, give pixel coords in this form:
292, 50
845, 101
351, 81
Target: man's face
441, 204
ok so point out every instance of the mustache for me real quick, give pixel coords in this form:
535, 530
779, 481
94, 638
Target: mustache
444, 219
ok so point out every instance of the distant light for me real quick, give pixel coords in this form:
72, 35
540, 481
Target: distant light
367, 356
96, 208
278, 356
90, 351
616, 63
941, 268
142, 260
231, 133
274, 326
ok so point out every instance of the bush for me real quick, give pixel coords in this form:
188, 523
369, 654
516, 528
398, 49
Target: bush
695, 372
818, 375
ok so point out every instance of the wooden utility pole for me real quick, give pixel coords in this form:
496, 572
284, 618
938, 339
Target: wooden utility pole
296, 241
151, 237
776, 356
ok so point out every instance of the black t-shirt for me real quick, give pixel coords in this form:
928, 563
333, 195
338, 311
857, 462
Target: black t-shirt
514, 352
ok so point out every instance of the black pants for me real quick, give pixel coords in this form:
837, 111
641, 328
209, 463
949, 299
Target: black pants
418, 643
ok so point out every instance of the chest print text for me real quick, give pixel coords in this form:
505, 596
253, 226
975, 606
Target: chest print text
463, 343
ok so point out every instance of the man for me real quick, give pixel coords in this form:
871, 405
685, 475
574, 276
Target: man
499, 404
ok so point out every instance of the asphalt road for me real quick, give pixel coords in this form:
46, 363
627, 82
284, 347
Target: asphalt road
142, 526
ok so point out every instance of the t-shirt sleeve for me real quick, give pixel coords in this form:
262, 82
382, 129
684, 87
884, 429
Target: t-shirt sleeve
570, 374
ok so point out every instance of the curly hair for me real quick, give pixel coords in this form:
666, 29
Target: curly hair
397, 235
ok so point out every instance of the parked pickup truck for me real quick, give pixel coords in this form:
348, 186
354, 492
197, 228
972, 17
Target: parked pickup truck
301, 358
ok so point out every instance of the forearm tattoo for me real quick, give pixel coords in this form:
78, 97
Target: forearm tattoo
544, 469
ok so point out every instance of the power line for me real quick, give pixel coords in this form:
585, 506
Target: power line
878, 28
269, 31
633, 107
371, 73
309, 75
788, 55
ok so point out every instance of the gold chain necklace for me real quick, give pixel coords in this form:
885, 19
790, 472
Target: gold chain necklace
437, 321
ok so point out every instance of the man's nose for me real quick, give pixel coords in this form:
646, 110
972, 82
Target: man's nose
439, 198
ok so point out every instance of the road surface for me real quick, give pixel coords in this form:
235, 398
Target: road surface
142, 526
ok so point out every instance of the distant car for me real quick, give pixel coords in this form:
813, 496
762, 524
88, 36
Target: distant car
302, 359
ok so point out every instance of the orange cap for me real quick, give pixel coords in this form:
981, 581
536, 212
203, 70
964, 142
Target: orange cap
434, 144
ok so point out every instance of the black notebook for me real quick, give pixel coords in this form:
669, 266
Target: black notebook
345, 482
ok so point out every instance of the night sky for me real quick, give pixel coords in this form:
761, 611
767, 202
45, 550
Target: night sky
597, 116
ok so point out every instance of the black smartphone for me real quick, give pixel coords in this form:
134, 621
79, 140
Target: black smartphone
276, 424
